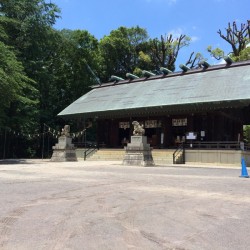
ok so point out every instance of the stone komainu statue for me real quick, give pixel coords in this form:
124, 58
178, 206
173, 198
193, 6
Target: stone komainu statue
138, 129
65, 131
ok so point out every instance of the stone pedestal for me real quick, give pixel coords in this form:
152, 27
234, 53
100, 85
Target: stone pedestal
64, 150
138, 152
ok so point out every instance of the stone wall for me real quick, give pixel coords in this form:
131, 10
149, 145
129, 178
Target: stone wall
220, 157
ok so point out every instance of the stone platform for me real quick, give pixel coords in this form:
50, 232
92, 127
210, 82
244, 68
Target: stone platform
64, 150
138, 152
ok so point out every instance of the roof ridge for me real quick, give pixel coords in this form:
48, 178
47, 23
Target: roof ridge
174, 74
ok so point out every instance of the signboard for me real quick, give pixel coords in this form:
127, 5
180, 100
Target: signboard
124, 125
151, 124
202, 133
191, 136
179, 122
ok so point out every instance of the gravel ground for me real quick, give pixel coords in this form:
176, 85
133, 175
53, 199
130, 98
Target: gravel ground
104, 205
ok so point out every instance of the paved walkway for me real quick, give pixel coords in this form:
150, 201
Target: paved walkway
104, 205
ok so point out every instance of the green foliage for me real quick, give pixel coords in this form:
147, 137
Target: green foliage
130, 50
238, 37
120, 50
28, 25
75, 65
195, 60
164, 52
246, 133
144, 62
243, 56
26, 33
138, 72
35, 12
16, 89
217, 53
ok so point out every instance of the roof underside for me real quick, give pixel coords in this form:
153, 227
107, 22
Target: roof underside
221, 88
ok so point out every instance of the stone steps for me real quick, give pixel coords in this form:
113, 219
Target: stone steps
108, 155
160, 156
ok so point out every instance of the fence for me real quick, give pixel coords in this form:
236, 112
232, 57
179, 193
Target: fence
14, 145
233, 145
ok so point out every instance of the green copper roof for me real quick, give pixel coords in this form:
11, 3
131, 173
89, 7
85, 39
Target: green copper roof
218, 86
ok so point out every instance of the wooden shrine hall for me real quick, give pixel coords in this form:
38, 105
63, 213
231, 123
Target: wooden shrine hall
211, 103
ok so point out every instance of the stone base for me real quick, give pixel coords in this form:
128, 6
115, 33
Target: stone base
138, 152
64, 150
64, 155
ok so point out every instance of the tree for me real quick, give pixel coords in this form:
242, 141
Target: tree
76, 65
246, 133
217, 53
28, 33
164, 52
238, 36
195, 60
130, 50
244, 54
17, 92
28, 25
120, 50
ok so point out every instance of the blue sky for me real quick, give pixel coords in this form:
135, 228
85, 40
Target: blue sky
198, 19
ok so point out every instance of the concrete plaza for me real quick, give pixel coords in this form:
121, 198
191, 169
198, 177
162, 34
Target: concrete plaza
104, 205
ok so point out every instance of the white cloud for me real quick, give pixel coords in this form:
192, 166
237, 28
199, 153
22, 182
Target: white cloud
217, 62
222, 61
194, 38
176, 32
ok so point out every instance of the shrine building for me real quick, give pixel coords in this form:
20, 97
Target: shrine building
199, 106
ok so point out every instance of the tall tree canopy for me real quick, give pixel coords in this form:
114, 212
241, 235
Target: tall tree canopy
17, 94
238, 37
131, 50
120, 50
28, 28
164, 52
75, 67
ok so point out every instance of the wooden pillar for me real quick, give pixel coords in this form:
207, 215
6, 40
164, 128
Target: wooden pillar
101, 131
190, 123
168, 132
211, 132
114, 133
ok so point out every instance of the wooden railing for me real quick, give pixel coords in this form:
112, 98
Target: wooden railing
234, 145
89, 151
247, 146
89, 148
179, 154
